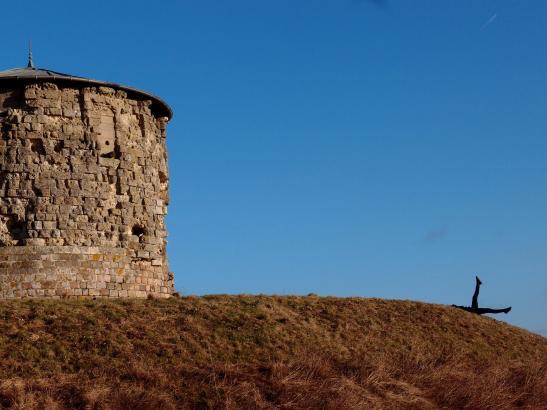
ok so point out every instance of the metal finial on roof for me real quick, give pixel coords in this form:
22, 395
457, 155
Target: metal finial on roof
30, 63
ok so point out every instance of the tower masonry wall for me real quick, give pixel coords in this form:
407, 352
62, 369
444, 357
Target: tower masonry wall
83, 194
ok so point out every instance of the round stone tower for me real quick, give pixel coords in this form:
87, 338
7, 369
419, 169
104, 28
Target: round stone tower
83, 188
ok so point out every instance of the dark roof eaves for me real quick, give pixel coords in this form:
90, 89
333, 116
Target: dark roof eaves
61, 78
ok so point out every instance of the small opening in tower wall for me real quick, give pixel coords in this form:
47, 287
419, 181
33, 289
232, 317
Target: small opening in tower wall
138, 231
18, 231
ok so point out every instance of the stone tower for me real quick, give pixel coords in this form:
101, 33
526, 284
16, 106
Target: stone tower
83, 188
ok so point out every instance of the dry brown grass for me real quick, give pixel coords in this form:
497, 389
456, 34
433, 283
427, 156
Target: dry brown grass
240, 352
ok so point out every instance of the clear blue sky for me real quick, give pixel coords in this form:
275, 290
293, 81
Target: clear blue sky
375, 148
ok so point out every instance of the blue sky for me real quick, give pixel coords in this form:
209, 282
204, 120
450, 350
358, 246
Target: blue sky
374, 148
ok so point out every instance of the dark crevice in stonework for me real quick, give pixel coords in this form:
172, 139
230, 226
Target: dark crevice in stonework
116, 154
32, 205
119, 190
59, 146
88, 141
14, 100
5, 130
37, 146
3, 179
17, 230
142, 126
83, 111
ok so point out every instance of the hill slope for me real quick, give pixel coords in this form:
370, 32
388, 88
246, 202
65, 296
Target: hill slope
264, 352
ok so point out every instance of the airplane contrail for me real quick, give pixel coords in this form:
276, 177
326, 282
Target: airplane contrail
489, 21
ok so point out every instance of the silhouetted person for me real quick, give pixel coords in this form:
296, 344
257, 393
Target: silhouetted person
475, 303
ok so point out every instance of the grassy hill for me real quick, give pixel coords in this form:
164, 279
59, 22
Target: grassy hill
264, 352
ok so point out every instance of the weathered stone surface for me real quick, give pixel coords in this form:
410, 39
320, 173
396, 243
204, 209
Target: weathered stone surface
83, 194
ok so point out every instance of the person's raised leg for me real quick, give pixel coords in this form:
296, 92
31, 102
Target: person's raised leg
482, 311
475, 300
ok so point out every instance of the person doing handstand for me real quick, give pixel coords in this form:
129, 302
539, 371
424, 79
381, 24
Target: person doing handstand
474, 308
